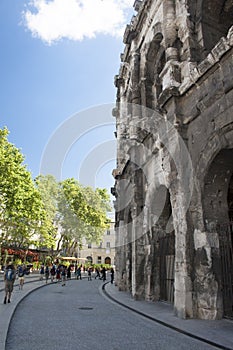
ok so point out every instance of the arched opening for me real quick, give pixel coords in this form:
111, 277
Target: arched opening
166, 253
89, 259
218, 205
155, 62
217, 18
107, 260
161, 237
212, 20
230, 200
129, 254
226, 251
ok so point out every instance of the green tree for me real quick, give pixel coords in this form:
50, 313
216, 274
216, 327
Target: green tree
44, 211
74, 212
22, 213
48, 188
84, 213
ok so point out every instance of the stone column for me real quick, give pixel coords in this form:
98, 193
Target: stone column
183, 303
135, 78
170, 33
134, 252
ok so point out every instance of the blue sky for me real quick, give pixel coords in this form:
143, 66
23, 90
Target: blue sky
58, 60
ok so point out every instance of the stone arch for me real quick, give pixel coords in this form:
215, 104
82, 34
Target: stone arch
215, 143
210, 210
217, 206
160, 245
89, 259
212, 20
215, 169
107, 260
216, 189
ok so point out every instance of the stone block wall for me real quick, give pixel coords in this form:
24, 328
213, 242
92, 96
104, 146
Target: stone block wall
174, 125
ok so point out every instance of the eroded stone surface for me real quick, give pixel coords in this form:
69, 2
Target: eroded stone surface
174, 127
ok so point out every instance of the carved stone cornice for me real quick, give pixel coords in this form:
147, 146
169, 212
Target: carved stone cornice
137, 4
118, 81
129, 35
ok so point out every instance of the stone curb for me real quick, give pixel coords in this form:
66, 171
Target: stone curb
123, 302
7, 311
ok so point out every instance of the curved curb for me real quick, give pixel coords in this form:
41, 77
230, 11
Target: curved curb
13, 310
209, 342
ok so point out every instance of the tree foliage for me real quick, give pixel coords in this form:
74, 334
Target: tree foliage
44, 211
84, 213
22, 212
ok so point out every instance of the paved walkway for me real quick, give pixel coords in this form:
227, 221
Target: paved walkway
218, 333
7, 311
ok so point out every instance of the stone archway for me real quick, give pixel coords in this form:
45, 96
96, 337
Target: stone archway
230, 200
218, 205
89, 259
107, 260
166, 253
160, 246
216, 21
213, 19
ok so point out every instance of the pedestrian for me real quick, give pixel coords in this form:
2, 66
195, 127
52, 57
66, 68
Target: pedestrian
9, 279
103, 274
52, 273
97, 273
46, 274
112, 275
21, 274
89, 270
58, 273
41, 272
79, 274
63, 275
69, 272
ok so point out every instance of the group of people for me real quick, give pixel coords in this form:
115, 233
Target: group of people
55, 272
100, 273
10, 275
60, 273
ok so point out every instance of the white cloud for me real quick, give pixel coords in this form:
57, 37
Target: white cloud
52, 20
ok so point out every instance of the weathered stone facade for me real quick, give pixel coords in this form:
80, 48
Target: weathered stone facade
174, 183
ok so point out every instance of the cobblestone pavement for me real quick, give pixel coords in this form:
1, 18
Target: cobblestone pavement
79, 316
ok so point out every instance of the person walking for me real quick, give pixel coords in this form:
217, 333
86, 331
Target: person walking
103, 274
112, 274
21, 274
79, 274
9, 279
97, 273
41, 272
52, 273
46, 274
63, 275
69, 272
58, 273
89, 274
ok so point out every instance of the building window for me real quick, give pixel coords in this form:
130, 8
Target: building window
99, 260
101, 244
89, 246
108, 232
107, 244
